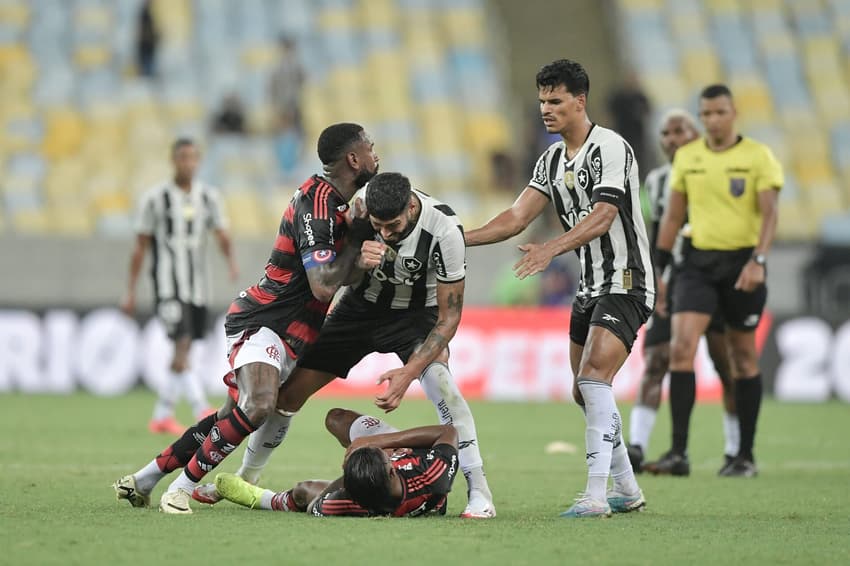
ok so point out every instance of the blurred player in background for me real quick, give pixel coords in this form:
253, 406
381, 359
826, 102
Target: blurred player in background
173, 221
678, 127
591, 179
385, 472
728, 187
269, 324
409, 302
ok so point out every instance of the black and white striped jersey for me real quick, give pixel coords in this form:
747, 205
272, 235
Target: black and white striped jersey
434, 251
604, 169
178, 221
658, 188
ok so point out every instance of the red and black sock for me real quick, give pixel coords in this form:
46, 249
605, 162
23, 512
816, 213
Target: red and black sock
223, 439
748, 392
283, 501
683, 394
180, 452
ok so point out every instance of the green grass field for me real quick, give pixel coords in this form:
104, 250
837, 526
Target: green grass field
59, 456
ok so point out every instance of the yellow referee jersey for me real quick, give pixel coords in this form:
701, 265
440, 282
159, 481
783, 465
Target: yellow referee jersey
722, 188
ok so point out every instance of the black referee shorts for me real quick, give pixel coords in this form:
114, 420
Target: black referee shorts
621, 314
658, 328
706, 283
182, 319
349, 335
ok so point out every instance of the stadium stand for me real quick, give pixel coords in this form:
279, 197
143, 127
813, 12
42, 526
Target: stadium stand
84, 134
788, 63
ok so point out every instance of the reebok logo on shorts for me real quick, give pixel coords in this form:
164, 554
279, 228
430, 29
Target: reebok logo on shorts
751, 321
610, 318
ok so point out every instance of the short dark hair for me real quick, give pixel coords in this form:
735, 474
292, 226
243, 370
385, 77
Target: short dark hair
180, 143
335, 140
564, 72
387, 195
366, 480
713, 91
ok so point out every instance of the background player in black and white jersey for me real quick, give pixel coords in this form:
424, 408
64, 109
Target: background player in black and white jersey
405, 473
173, 221
678, 127
270, 323
409, 302
592, 180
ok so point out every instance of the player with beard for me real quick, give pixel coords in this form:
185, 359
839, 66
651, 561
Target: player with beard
270, 324
408, 302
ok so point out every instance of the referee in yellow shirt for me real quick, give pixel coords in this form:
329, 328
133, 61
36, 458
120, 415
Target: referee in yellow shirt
728, 186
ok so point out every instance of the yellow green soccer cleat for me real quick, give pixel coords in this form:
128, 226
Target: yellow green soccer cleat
125, 488
235, 489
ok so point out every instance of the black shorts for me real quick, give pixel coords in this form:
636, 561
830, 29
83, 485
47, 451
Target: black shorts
658, 329
351, 333
621, 314
182, 319
706, 283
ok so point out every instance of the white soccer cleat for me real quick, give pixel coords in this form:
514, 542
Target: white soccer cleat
479, 507
125, 488
175, 502
206, 493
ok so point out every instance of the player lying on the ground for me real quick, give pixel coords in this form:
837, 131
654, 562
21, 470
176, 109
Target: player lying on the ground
385, 472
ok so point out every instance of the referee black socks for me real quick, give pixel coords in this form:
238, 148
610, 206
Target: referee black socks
748, 392
683, 393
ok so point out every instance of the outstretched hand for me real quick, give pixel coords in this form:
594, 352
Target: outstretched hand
536, 259
399, 380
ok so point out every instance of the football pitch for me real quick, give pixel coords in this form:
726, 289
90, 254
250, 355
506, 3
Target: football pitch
60, 455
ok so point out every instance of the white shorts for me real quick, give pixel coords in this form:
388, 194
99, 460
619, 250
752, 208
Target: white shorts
261, 346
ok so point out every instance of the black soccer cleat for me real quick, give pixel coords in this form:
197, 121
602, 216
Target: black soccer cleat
727, 461
670, 464
740, 468
636, 457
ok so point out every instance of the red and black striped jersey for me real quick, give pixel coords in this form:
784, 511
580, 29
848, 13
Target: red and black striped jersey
426, 479
311, 233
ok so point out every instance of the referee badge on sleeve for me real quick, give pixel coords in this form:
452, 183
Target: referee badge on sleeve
737, 186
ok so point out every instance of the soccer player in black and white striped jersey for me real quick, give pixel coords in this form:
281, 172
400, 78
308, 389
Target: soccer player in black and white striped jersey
591, 179
173, 221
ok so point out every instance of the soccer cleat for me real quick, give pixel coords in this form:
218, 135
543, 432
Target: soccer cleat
125, 488
740, 468
235, 489
671, 464
206, 493
479, 508
175, 502
727, 460
168, 425
635, 457
624, 503
584, 506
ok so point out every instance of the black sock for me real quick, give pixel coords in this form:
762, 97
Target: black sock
683, 394
181, 451
748, 393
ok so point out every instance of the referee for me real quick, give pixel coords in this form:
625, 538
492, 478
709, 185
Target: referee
728, 186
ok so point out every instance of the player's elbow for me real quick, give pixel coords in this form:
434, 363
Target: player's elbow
323, 293
448, 435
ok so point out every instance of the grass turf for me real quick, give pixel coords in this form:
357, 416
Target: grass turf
59, 456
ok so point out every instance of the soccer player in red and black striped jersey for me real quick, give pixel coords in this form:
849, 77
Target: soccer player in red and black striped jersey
268, 325
386, 472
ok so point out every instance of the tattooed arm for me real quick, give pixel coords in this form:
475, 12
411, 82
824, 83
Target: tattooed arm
450, 304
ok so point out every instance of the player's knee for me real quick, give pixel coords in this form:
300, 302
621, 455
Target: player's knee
744, 362
657, 362
338, 419
682, 352
259, 405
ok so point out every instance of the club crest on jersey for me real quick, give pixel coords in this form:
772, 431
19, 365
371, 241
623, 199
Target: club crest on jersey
737, 186
411, 264
581, 178
322, 256
570, 179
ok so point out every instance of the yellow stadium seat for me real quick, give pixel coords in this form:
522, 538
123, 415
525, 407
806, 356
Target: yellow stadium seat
94, 17
91, 56
438, 124
247, 217
486, 132
724, 6
702, 67
174, 18
641, 5
824, 199
685, 26
753, 101
464, 27
260, 56
669, 88
334, 18
14, 14
377, 14
64, 133
73, 219
31, 222
795, 222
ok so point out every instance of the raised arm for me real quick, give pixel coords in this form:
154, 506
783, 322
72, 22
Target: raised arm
511, 221
418, 437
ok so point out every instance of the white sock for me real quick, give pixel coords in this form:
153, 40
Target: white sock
183, 482
732, 434
364, 425
266, 500
603, 429
452, 408
261, 443
168, 397
621, 467
641, 423
148, 477
193, 391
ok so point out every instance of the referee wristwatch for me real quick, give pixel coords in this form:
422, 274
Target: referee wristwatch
760, 259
